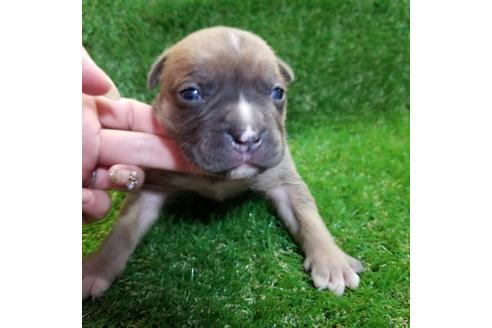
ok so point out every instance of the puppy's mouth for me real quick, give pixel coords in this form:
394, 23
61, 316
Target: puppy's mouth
244, 165
241, 166
243, 171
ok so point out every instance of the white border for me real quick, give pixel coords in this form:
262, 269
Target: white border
40, 83
451, 147
451, 162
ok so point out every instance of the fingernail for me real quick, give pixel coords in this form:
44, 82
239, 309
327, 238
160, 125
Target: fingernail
123, 177
87, 197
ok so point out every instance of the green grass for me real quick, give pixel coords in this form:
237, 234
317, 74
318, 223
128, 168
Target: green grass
234, 264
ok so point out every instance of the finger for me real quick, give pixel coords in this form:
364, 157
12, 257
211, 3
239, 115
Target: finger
119, 177
90, 141
101, 179
95, 204
143, 150
128, 114
94, 81
129, 177
113, 93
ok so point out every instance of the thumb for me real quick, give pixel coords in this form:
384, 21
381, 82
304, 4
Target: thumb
94, 81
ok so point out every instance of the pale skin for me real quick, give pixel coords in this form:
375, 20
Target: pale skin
119, 137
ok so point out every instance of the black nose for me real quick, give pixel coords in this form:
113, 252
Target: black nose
245, 140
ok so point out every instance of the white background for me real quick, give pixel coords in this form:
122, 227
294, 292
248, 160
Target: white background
451, 163
40, 160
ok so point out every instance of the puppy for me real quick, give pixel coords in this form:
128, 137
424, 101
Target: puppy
223, 99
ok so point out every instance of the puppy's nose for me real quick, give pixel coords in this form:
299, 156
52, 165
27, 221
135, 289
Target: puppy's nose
245, 140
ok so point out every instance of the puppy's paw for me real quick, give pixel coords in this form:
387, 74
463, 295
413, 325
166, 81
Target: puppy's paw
97, 276
333, 270
94, 286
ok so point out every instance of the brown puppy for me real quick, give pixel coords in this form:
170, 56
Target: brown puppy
222, 98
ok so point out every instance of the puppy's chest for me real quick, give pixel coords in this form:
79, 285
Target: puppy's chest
214, 188
218, 190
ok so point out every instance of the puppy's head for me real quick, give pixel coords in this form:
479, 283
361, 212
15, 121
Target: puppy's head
222, 98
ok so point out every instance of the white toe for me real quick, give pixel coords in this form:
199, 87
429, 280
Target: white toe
320, 278
336, 283
351, 279
93, 286
307, 264
355, 264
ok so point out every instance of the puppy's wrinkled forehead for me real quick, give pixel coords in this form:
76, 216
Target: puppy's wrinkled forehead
220, 54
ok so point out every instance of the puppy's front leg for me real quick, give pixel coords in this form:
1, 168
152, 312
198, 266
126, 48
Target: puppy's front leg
330, 267
137, 215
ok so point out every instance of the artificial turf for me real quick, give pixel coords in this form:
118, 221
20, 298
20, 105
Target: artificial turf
233, 264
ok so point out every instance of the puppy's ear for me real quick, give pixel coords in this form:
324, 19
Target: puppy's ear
285, 70
156, 71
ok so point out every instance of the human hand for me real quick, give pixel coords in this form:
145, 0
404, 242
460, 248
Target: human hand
115, 132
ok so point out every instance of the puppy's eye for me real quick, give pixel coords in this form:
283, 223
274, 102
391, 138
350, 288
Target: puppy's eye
278, 93
190, 94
